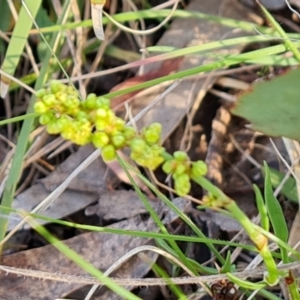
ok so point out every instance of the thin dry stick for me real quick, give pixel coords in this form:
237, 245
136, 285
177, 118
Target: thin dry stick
133, 252
254, 273
144, 32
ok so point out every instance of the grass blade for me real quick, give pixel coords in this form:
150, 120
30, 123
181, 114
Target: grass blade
17, 42
275, 213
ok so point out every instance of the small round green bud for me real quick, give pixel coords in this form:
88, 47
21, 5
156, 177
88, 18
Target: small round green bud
102, 103
40, 107
71, 91
118, 140
101, 113
53, 128
180, 156
119, 124
129, 133
82, 116
41, 93
138, 145
168, 166
182, 185
90, 102
101, 125
49, 100
154, 162
61, 96
56, 86
100, 139
180, 169
109, 153
71, 102
46, 118
63, 122
151, 136
199, 168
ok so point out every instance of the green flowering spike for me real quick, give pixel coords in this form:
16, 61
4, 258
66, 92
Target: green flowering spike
109, 153
180, 156
182, 185
199, 168
100, 139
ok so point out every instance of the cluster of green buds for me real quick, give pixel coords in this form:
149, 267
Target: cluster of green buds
145, 149
92, 120
61, 111
182, 170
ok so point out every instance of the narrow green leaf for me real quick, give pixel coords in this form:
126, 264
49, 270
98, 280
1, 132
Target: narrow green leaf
289, 43
275, 212
262, 209
246, 284
289, 189
227, 267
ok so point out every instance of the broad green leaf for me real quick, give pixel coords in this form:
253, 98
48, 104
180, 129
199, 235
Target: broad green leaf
273, 106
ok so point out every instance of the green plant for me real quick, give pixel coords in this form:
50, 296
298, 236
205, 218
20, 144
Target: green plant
92, 120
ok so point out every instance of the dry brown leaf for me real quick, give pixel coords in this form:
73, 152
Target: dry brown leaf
100, 249
119, 205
